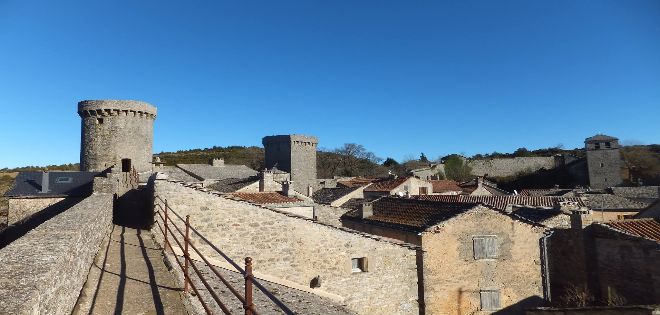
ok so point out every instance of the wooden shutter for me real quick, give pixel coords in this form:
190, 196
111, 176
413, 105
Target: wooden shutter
490, 300
485, 247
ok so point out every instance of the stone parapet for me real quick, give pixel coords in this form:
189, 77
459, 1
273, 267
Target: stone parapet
44, 271
116, 108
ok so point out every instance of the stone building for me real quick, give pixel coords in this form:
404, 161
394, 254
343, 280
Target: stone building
34, 192
612, 263
403, 186
476, 259
116, 132
295, 154
603, 161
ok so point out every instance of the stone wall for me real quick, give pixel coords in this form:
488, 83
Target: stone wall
603, 310
113, 130
453, 278
604, 167
44, 271
294, 249
22, 208
511, 166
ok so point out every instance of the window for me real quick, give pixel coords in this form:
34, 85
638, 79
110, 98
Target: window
423, 190
608, 145
359, 264
490, 300
485, 247
99, 120
63, 180
602, 164
125, 165
597, 145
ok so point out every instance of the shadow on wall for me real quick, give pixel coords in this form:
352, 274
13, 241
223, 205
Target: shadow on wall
18, 229
134, 209
521, 306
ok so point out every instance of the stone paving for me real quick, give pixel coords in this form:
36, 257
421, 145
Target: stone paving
300, 302
129, 276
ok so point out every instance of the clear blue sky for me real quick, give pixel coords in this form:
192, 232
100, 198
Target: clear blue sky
399, 77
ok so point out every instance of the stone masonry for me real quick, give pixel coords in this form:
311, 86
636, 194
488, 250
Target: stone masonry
295, 154
296, 250
511, 166
44, 271
604, 161
113, 130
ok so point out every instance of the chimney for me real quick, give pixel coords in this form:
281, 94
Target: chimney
480, 182
44, 181
287, 188
265, 176
217, 162
310, 190
367, 210
580, 219
391, 175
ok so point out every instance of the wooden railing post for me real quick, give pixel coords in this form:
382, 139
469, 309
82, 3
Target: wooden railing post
248, 305
186, 257
167, 244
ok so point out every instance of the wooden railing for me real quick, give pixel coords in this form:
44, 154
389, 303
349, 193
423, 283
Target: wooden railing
168, 229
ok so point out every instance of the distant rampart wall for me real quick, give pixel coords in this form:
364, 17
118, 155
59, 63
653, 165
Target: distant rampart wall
511, 166
44, 271
296, 250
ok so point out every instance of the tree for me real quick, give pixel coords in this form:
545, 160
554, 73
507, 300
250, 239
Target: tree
456, 168
422, 158
389, 162
351, 159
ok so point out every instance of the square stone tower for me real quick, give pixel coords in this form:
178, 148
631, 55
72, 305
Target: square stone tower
603, 161
295, 154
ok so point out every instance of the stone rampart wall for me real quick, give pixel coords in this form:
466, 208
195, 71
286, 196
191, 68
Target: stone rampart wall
296, 250
510, 166
44, 271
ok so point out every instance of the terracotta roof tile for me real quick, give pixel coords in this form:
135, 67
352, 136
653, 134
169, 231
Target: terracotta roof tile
265, 197
501, 202
440, 186
386, 184
646, 228
355, 182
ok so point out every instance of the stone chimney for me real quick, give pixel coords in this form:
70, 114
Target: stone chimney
265, 177
310, 190
217, 162
580, 219
45, 180
367, 210
287, 188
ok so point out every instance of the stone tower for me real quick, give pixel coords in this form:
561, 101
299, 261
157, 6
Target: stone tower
603, 161
295, 154
116, 132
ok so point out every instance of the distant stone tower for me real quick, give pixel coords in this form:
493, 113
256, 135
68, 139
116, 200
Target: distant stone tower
603, 161
295, 154
116, 132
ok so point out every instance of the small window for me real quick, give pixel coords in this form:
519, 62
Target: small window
423, 190
602, 164
597, 145
99, 121
359, 264
485, 247
608, 145
490, 300
63, 180
125, 165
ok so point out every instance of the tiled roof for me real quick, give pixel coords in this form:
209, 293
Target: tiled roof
501, 202
355, 182
646, 228
612, 202
545, 192
175, 173
353, 203
265, 197
548, 217
600, 138
440, 186
411, 214
230, 185
328, 195
204, 171
60, 184
386, 184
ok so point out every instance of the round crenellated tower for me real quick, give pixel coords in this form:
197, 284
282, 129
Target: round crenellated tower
116, 132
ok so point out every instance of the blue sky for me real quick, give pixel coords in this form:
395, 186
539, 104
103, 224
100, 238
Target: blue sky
399, 77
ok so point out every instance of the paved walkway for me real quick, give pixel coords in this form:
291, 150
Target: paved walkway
129, 276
